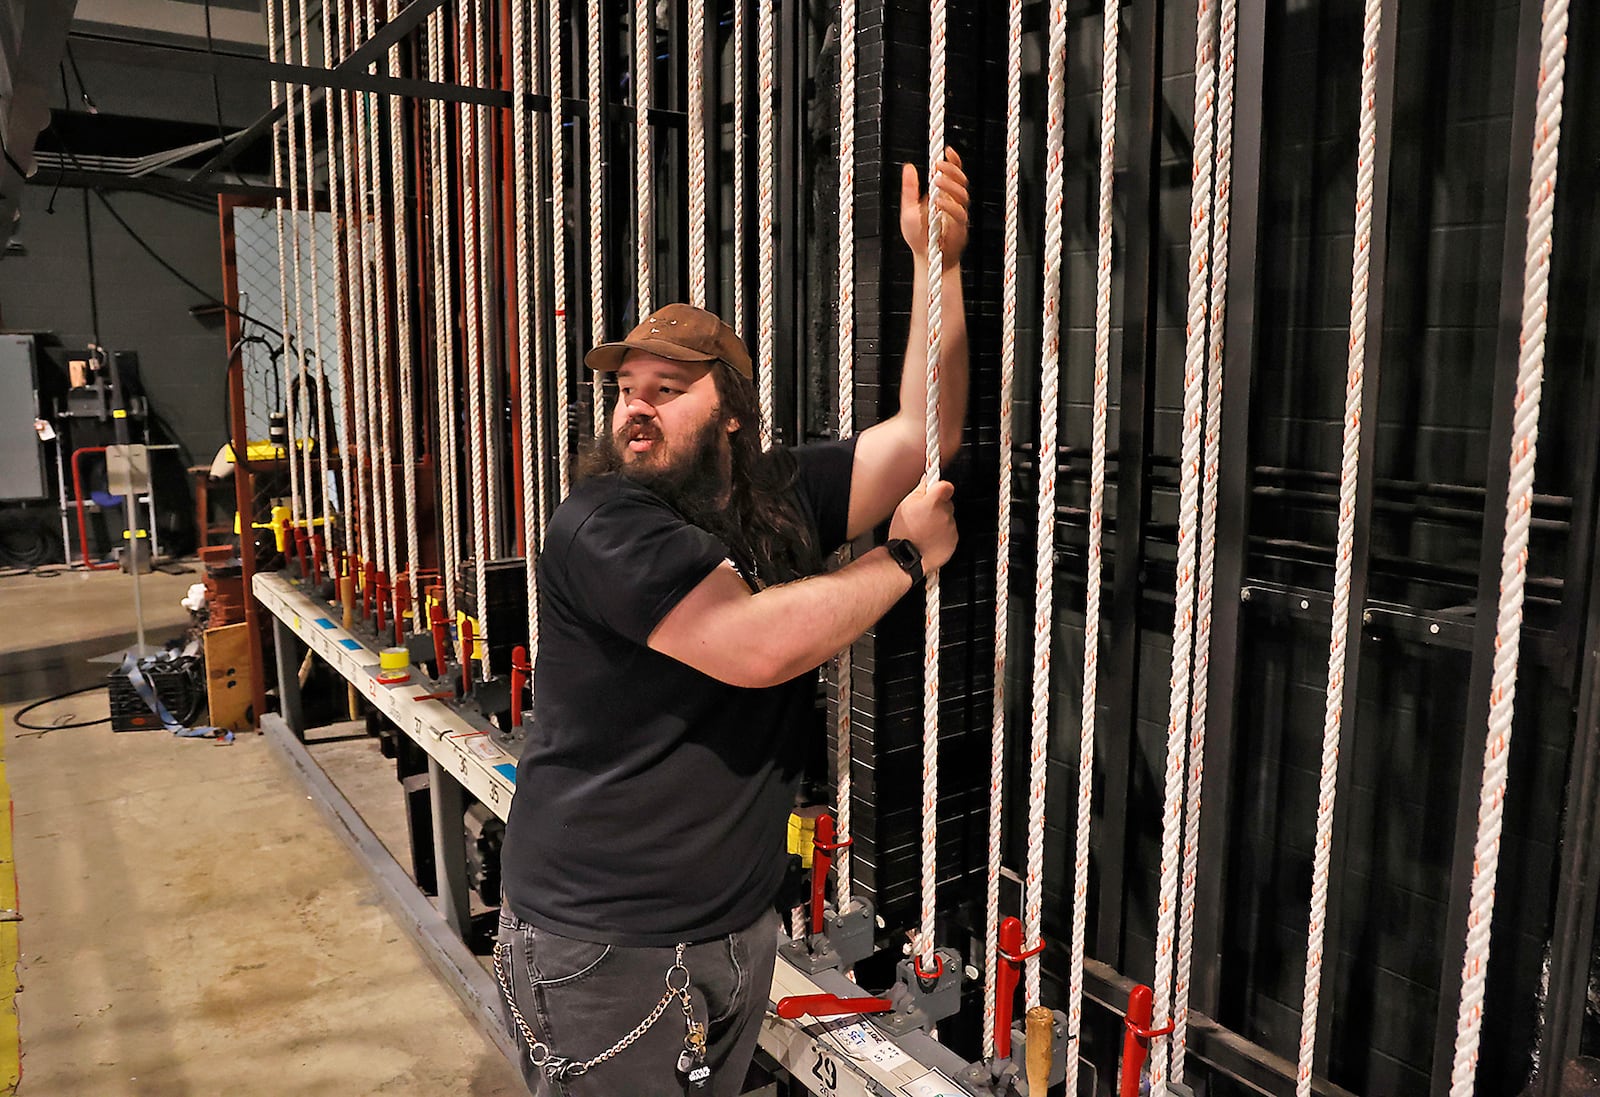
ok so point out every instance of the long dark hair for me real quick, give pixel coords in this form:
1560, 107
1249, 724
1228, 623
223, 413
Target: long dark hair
757, 515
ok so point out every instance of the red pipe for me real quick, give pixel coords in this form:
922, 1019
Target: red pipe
367, 588
1136, 1042
519, 678
823, 848
381, 599
317, 549
1005, 982
83, 526
300, 540
466, 656
402, 604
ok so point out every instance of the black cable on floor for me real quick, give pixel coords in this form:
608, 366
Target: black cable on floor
17, 717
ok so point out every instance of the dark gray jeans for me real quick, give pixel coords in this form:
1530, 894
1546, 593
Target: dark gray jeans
578, 999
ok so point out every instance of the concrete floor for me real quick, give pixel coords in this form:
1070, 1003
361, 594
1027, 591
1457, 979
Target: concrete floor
193, 927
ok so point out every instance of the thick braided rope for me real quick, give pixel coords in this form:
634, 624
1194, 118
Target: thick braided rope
299, 457
1349, 475
338, 137
534, 352
1045, 524
1097, 495
529, 373
319, 406
558, 254
444, 320
278, 92
1002, 560
597, 217
931, 456
1222, 160
383, 267
1514, 561
1188, 520
844, 786
473, 367
404, 329
314, 410
697, 154
489, 312
366, 196
767, 197
357, 267
643, 152
739, 182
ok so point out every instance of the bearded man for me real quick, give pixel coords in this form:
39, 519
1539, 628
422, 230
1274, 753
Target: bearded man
683, 612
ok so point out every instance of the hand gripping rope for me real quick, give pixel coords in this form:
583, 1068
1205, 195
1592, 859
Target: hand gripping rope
1514, 562
1349, 475
843, 788
925, 957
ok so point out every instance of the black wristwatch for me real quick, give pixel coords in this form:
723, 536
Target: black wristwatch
908, 556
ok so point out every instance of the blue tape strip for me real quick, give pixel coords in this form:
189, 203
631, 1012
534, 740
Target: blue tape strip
323, 622
508, 771
350, 645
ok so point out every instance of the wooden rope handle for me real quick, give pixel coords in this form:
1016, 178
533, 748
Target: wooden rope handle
1041, 1037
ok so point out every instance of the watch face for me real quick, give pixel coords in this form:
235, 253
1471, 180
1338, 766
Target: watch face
905, 554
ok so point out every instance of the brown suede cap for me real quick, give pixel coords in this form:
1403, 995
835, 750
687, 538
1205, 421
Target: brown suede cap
680, 333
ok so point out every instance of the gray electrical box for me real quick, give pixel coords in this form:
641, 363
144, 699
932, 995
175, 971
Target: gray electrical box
22, 469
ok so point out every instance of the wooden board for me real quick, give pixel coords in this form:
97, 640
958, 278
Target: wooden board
227, 652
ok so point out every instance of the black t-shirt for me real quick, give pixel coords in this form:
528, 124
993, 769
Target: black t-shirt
652, 800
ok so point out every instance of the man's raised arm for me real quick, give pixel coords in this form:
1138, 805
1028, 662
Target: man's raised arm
890, 455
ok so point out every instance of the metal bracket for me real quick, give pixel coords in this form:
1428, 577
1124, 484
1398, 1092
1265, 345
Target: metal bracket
921, 1003
846, 939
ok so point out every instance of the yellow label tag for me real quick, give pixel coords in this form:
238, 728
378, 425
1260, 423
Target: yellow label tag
119, 413
802, 837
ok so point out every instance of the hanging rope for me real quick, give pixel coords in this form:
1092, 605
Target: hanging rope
739, 183
528, 372
1097, 493
1514, 561
597, 219
844, 788
534, 354
444, 319
469, 32
404, 328
383, 266
1188, 520
489, 315
697, 155
356, 242
931, 605
1349, 476
298, 464
1047, 460
336, 199
279, 92
373, 326
1222, 167
645, 166
558, 253
319, 407
767, 198
1002, 557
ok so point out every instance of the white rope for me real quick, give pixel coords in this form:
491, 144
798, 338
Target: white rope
534, 354
404, 328
1200, 686
597, 219
346, 337
931, 604
1188, 521
444, 322
1349, 476
1514, 561
300, 419
1002, 552
1097, 494
361, 328
524, 253
843, 785
739, 182
367, 386
279, 91
1045, 522
489, 315
767, 200
319, 406
697, 154
308, 477
558, 253
470, 193
645, 162
383, 267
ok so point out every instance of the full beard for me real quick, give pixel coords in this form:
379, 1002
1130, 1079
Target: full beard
691, 479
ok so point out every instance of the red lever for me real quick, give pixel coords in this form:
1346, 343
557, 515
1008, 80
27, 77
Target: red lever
1005, 983
440, 631
1136, 1044
317, 549
367, 588
519, 678
381, 597
402, 605
466, 656
823, 848
298, 532
829, 1005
